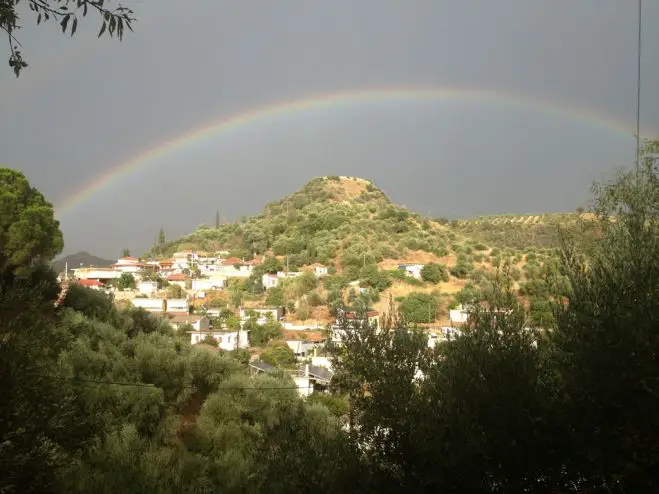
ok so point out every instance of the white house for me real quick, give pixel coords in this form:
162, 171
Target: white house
320, 270
181, 260
202, 284
262, 313
147, 287
198, 323
130, 265
100, 274
177, 306
177, 279
303, 342
458, 315
269, 281
156, 305
412, 269
227, 340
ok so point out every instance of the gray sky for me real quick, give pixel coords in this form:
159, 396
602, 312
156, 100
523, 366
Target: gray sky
85, 106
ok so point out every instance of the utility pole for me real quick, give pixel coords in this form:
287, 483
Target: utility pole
638, 92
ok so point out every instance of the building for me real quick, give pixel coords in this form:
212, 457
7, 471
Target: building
129, 265
202, 284
177, 279
93, 284
98, 274
177, 306
373, 317
269, 281
262, 313
147, 287
319, 270
412, 269
302, 343
226, 340
459, 315
154, 305
198, 323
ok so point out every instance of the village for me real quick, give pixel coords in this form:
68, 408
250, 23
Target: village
198, 276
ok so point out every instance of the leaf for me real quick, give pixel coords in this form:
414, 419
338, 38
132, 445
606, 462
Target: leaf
64, 22
39, 18
102, 29
74, 26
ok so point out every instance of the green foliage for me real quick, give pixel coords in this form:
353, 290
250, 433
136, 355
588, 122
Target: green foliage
261, 335
323, 222
419, 307
279, 354
275, 296
126, 282
113, 21
337, 404
29, 233
434, 273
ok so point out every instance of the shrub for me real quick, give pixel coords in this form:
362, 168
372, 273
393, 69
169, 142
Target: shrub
434, 273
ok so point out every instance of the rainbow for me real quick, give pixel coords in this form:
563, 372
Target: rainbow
272, 112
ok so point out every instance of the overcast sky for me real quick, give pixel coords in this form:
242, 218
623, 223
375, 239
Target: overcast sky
86, 105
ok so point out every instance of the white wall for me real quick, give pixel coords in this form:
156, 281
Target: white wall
304, 386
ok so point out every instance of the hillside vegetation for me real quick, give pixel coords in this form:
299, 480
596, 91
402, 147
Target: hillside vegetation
345, 222
350, 225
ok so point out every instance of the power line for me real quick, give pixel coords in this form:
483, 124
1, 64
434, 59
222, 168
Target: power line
152, 386
638, 90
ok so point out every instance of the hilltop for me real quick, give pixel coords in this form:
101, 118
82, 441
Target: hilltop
341, 221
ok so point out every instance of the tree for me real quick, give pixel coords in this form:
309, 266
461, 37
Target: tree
217, 219
174, 291
261, 334
434, 273
279, 354
29, 233
125, 253
66, 13
419, 307
607, 339
162, 240
126, 282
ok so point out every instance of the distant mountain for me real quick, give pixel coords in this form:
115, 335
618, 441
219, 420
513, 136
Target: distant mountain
84, 258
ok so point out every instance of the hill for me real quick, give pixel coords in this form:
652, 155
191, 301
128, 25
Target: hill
75, 260
349, 224
343, 221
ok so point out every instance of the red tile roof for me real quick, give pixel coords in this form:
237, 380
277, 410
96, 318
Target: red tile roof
90, 283
176, 277
231, 261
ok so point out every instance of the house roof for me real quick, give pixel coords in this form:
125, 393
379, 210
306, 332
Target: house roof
321, 373
260, 365
231, 261
176, 277
128, 259
90, 283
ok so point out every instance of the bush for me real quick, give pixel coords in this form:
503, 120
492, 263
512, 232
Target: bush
462, 270
434, 273
419, 307
480, 247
